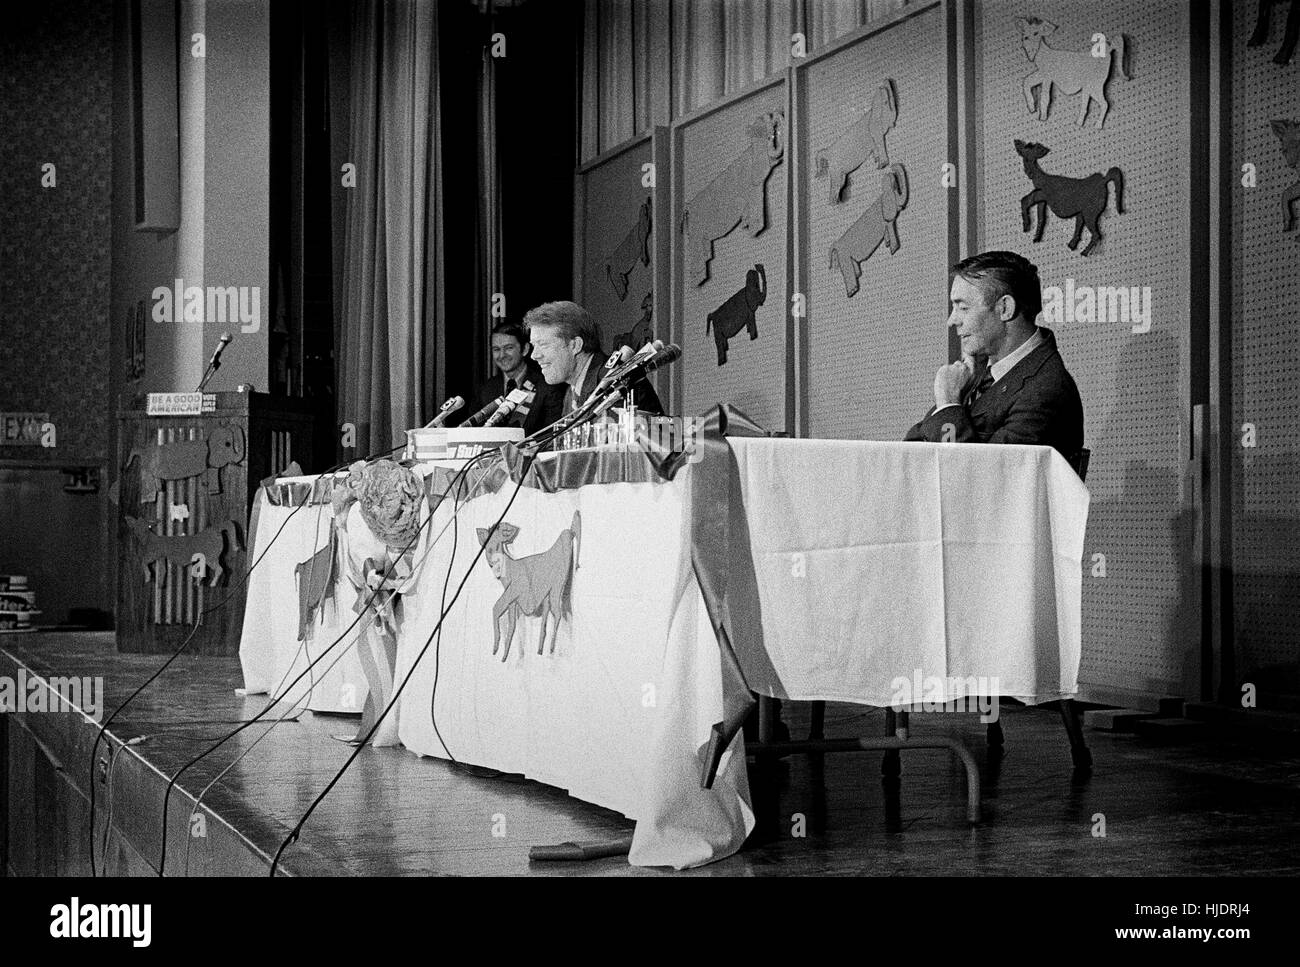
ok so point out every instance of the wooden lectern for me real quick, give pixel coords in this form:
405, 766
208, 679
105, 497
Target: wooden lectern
186, 488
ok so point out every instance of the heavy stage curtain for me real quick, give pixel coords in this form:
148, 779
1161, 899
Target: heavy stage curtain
648, 62
390, 306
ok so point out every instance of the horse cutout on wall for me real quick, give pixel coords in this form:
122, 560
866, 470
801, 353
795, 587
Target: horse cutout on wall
1083, 72
538, 585
1260, 36
865, 138
644, 330
1288, 133
1083, 199
634, 248
737, 196
874, 226
738, 312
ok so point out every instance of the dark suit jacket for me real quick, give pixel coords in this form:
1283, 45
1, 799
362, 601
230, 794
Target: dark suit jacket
1035, 403
646, 397
545, 409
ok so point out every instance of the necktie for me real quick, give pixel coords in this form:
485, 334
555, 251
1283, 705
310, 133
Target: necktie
510, 386
982, 386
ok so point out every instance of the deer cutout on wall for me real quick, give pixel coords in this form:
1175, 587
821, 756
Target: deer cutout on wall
1083, 199
864, 139
1260, 36
1288, 133
634, 248
1079, 72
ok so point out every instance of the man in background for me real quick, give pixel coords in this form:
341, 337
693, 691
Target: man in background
517, 370
1011, 385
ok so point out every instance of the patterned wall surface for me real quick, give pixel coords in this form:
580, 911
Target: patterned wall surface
754, 376
1141, 619
872, 356
1265, 347
56, 63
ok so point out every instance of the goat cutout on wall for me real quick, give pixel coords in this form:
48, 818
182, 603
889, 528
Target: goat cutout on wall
634, 248
1083, 199
1260, 36
864, 138
738, 312
1288, 133
1072, 71
643, 331
875, 225
538, 585
736, 196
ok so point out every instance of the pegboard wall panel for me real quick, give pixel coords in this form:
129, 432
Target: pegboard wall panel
1140, 620
880, 347
1265, 347
618, 246
753, 378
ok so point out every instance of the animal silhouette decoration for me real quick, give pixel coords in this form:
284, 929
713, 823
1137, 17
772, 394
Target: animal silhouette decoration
181, 549
864, 139
737, 196
1260, 36
738, 311
315, 577
1083, 199
181, 459
875, 225
644, 330
1072, 71
538, 585
1288, 133
634, 248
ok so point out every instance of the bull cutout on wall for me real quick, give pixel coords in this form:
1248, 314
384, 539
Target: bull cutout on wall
634, 248
1083, 199
875, 225
865, 138
644, 330
738, 312
182, 459
1288, 133
538, 585
1083, 72
1260, 36
737, 196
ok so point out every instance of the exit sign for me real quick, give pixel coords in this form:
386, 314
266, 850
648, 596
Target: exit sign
22, 429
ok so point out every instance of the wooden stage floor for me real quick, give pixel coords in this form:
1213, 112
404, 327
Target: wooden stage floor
1221, 805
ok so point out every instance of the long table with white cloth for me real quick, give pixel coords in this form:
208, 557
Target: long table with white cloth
798, 569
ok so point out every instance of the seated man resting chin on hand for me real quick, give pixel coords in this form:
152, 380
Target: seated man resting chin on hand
1011, 385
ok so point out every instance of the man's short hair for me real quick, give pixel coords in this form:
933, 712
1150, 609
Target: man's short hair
511, 329
569, 319
1005, 273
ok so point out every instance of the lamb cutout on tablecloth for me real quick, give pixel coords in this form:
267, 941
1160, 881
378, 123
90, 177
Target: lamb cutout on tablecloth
738, 312
538, 585
863, 139
1084, 72
1083, 199
1288, 134
875, 225
736, 196
634, 248
1289, 38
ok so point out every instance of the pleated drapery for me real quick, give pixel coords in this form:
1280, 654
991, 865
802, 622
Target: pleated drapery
647, 62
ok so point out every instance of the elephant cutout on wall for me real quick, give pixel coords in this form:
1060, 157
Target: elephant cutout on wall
182, 459
1288, 133
1289, 37
1083, 199
864, 139
737, 196
875, 225
1081, 72
738, 312
634, 248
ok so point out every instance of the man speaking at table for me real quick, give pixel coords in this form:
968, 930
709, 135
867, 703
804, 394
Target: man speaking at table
517, 370
1011, 385
566, 344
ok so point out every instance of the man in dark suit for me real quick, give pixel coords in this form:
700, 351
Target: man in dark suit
566, 344
1011, 385
517, 370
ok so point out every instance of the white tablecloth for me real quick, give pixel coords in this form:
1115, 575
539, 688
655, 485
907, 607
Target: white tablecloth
851, 566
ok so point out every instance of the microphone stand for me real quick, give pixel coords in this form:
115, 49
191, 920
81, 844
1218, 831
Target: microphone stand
213, 366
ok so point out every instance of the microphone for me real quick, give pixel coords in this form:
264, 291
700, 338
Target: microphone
479, 418
634, 370
615, 372
448, 408
508, 406
222, 343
